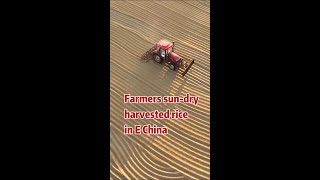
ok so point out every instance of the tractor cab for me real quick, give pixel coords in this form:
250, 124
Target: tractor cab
164, 52
164, 47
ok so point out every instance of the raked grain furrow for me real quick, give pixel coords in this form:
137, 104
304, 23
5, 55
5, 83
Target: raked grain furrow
141, 13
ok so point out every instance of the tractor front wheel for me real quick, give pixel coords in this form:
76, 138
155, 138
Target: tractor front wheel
172, 66
157, 58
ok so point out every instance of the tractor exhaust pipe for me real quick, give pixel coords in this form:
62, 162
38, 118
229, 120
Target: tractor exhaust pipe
172, 46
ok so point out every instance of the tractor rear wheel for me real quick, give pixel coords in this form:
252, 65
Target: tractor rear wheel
157, 58
172, 66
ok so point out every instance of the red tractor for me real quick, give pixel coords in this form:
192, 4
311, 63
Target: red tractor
163, 51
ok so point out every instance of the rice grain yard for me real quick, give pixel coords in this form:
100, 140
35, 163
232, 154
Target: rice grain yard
136, 26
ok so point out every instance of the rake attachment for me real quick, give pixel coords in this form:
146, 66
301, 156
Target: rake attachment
185, 65
146, 55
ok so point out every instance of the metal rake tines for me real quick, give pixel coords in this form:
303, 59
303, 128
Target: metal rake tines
147, 55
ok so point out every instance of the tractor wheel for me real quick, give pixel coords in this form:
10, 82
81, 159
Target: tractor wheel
157, 58
172, 66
